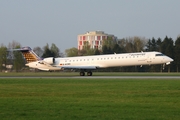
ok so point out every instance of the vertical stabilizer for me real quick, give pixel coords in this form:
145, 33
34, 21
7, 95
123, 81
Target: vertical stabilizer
29, 54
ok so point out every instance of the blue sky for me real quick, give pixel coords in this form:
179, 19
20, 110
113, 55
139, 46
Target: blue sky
37, 22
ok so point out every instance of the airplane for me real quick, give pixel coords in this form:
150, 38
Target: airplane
89, 63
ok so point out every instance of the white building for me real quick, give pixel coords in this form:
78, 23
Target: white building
94, 39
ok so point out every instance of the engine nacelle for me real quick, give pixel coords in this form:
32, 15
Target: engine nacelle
49, 60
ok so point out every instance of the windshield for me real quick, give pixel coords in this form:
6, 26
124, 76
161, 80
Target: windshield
159, 54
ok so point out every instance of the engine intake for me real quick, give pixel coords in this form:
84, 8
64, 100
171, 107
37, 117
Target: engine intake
49, 60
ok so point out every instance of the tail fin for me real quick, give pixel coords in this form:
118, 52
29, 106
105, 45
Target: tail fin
29, 54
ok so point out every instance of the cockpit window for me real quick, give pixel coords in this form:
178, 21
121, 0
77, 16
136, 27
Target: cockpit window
159, 54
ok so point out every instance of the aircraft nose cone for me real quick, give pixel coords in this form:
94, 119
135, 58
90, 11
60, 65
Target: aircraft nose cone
170, 59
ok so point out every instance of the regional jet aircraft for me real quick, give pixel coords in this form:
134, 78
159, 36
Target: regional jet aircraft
89, 63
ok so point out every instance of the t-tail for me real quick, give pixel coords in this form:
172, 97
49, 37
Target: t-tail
29, 54
34, 61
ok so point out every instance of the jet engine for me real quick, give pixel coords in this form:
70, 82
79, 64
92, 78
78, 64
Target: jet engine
49, 60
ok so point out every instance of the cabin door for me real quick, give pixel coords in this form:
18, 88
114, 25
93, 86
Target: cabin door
149, 59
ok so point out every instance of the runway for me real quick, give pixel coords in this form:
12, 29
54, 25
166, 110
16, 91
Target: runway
131, 77
96, 77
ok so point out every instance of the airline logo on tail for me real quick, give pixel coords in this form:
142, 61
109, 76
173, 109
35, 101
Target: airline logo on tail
34, 61
29, 54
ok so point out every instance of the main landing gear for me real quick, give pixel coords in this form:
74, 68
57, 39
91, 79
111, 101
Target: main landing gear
89, 73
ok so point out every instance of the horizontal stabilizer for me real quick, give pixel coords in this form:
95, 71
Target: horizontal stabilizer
28, 54
43, 69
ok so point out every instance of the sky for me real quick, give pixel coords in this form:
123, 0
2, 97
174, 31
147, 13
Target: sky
38, 22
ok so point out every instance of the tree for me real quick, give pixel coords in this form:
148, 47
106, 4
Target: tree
122, 44
149, 45
19, 62
133, 44
154, 44
129, 47
55, 50
167, 48
16, 57
108, 44
3, 57
139, 43
38, 51
47, 52
87, 50
90, 51
106, 49
86, 45
97, 52
13, 45
177, 51
117, 49
71, 52
159, 42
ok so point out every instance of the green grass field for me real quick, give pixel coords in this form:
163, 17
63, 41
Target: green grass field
56, 74
89, 99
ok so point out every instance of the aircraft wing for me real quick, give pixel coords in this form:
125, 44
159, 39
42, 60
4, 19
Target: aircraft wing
43, 69
80, 67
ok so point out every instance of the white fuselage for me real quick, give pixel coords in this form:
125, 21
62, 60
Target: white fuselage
104, 61
114, 60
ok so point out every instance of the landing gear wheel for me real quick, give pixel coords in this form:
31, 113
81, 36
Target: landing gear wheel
82, 73
89, 73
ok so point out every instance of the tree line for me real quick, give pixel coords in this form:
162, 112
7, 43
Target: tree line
167, 46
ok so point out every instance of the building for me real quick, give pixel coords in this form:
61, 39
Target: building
93, 39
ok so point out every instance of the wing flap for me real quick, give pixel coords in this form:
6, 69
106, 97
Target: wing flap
80, 67
43, 69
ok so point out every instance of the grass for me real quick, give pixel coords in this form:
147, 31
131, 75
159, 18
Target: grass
89, 99
56, 74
